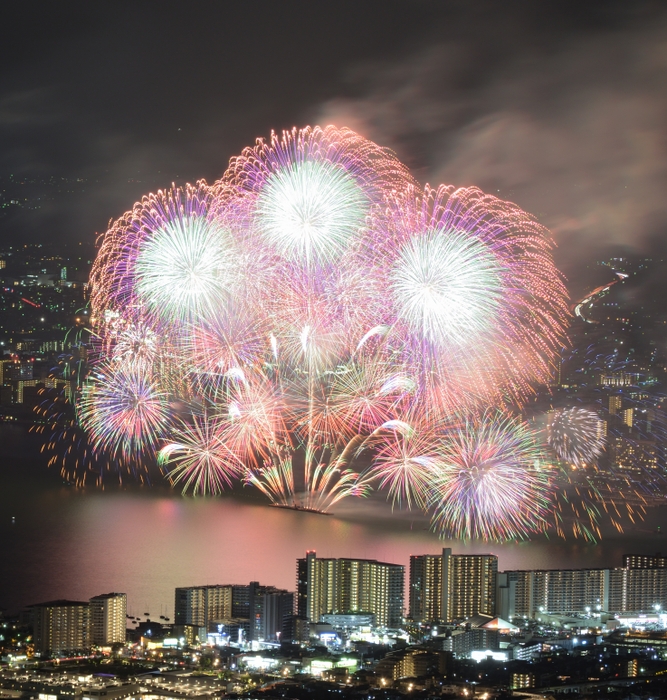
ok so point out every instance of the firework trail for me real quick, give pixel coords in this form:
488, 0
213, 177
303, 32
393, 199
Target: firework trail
68, 446
315, 308
404, 462
199, 458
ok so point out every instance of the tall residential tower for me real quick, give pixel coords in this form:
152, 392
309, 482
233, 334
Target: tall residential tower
350, 585
447, 587
107, 619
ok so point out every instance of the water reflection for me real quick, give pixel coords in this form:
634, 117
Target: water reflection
70, 544
66, 543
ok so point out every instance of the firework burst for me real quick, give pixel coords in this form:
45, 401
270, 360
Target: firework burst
491, 481
475, 296
310, 211
123, 410
198, 459
576, 435
446, 287
315, 308
185, 269
157, 229
591, 492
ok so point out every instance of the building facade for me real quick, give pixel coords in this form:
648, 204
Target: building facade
61, 626
202, 605
618, 590
271, 613
263, 612
108, 614
425, 588
637, 590
335, 586
447, 587
644, 561
558, 591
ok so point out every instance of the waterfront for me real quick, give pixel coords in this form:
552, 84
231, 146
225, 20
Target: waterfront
60, 542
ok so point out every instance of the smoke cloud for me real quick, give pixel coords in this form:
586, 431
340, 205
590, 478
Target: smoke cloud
574, 132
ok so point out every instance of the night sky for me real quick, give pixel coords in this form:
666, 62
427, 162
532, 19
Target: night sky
558, 106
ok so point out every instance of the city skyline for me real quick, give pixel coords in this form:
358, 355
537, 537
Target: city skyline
597, 401
234, 638
346, 593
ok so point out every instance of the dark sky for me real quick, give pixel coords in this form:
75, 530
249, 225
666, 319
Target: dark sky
559, 106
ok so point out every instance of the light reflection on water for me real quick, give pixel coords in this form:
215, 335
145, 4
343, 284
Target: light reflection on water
71, 544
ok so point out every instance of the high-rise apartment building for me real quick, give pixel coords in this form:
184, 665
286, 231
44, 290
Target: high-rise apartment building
350, 585
201, 605
630, 589
524, 593
637, 590
425, 590
267, 610
446, 587
61, 626
107, 619
271, 611
628, 416
66, 625
615, 403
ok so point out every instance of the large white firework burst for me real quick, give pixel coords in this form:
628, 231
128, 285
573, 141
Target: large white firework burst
310, 211
447, 286
185, 268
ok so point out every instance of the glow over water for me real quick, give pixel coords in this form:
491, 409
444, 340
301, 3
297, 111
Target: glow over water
65, 543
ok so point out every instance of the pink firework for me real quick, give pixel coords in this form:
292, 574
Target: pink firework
298, 314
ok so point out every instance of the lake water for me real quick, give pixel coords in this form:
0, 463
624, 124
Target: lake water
69, 543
